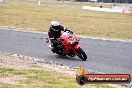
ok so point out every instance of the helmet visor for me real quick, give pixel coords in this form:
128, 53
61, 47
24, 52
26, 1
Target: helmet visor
55, 27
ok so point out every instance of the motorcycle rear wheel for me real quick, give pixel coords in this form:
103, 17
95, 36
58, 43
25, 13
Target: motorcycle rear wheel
60, 53
81, 54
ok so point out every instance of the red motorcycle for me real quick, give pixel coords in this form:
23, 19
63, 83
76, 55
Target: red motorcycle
68, 45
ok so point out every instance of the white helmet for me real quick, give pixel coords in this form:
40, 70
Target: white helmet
54, 23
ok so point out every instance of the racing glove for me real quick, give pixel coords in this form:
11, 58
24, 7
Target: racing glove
66, 29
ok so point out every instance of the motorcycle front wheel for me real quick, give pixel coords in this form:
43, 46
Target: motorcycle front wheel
81, 54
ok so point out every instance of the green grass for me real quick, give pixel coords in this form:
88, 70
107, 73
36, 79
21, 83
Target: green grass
5, 72
57, 3
100, 24
35, 77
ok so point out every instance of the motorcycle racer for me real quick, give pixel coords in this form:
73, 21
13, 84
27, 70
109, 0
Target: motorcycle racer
67, 45
55, 32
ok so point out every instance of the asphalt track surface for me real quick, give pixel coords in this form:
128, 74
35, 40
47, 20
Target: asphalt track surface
104, 56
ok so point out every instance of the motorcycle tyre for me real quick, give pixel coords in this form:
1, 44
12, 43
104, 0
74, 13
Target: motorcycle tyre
81, 54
